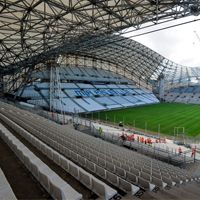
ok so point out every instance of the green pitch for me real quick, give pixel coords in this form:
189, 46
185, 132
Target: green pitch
163, 117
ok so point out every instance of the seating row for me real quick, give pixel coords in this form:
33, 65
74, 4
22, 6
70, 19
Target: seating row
132, 189
82, 73
91, 182
93, 166
91, 149
96, 150
67, 138
55, 185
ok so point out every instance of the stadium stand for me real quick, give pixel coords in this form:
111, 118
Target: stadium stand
82, 73
185, 94
95, 185
58, 188
109, 91
121, 167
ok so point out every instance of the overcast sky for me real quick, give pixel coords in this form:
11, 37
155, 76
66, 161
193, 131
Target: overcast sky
179, 44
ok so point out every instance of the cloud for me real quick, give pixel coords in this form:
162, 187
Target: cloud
179, 44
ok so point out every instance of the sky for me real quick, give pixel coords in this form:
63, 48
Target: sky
179, 44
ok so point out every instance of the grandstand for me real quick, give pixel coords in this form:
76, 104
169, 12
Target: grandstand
109, 162
68, 58
183, 94
103, 91
182, 86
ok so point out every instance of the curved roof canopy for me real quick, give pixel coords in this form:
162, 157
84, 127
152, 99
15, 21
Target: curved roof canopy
181, 75
134, 58
31, 28
128, 54
33, 31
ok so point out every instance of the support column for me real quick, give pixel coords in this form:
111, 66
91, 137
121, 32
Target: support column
161, 86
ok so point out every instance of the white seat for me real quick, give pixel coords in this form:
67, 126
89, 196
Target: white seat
49, 152
60, 190
74, 170
64, 163
56, 157
158, 182
120, 171
44, 177
145, 184
102, 189
35, 165
100, 171
90, 165
128, 187
85, 178
112, 178
81, 160
74, 156
131, 177
98, 188
110, 166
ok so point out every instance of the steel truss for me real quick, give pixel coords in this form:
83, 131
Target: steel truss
182, 76
35, 31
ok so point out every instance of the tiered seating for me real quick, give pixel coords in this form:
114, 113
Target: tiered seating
45, 93
100, 86
78, 96
84, 86
189, 89
40, 102
185, 94
91, 73
134, 100
82, 97
143, 99
170, 96
5, 189
82, 73
106, 101
89, 104
121, 167
66, 105
91, 182
112, 86
70, 150
56, 186
151, 97
195, 99
29, 92
122, 86
184, 98
122, 101
71, 106
69, 85
196, 89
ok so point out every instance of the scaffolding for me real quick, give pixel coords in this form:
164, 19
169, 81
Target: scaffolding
55, 94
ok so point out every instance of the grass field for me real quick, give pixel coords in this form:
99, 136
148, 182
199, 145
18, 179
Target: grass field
164, 115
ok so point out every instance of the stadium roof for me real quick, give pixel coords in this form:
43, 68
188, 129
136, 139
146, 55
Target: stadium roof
182, 75
135, 58
33, 31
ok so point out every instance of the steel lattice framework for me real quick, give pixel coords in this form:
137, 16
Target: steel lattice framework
181, 76
131, 56
34, 31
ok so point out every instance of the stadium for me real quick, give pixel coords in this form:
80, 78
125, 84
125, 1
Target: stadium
89, 113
